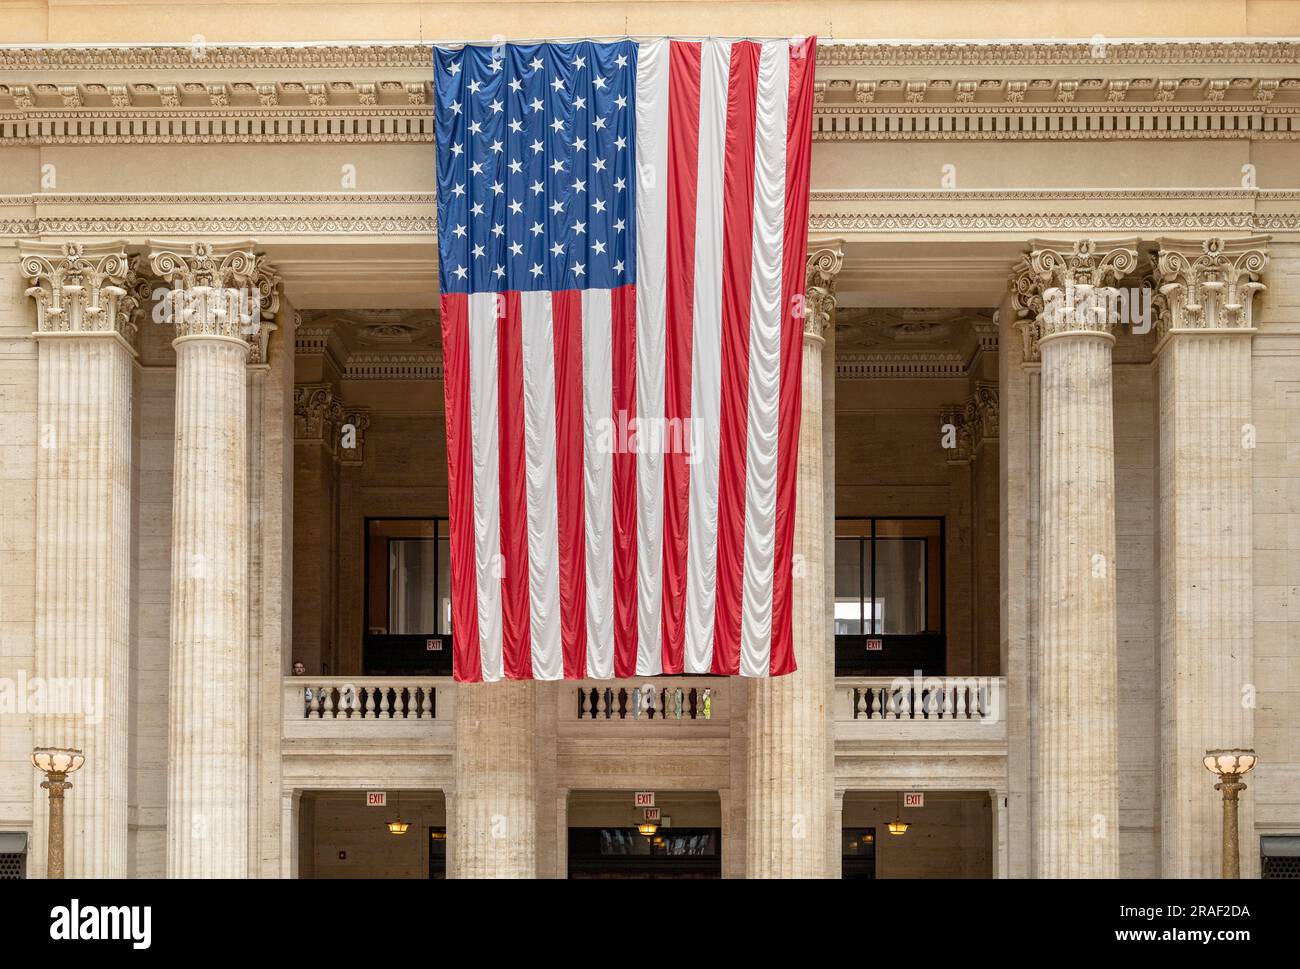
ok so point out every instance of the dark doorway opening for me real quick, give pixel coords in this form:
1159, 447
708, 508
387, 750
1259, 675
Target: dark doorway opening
626, 853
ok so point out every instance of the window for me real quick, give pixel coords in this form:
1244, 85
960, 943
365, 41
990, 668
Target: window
13, 855
408, 577
889, 577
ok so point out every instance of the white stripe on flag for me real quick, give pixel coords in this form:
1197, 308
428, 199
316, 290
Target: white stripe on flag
706, 361
764, 357
538, 344
598, 478
487, 483
651, 269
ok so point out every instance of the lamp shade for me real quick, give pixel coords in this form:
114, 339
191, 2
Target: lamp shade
647, 828
898, 826
398, 826
1233, 760
57, 760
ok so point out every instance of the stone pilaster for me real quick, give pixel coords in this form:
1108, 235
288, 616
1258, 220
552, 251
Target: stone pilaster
216, 308
85, 358
789, 783
494, 833
1206, 544
1076, 803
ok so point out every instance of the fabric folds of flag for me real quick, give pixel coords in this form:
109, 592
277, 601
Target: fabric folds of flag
621, 239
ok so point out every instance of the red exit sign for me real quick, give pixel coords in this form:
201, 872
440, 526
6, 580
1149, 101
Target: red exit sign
875, 645
914, 800
644, 799
376, 798
433, 645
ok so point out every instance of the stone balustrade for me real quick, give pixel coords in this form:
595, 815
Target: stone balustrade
678, 700
367, 697
951, 699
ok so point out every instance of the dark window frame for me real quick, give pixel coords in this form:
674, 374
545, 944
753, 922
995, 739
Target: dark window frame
403, 654
901, 654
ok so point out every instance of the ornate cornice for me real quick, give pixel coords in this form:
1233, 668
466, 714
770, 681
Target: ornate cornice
80, 287
418, 56
825, 260
1062, 53
834, 212
1210, 285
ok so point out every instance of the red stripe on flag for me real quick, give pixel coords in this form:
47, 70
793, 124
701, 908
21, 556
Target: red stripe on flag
566, 320
679, 319
623, 346
737, 273
466, 662
798, 155
517, 659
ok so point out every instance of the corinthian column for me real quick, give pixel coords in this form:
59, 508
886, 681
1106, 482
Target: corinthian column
494, 832
83, 538
214, 304
1076, 830
1206, 547
789, 788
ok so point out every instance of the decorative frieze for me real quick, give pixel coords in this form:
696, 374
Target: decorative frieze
1211, 284
847, 53
80, 287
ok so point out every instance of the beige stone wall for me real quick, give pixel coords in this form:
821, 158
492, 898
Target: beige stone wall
17, 536
1274, 793
54, 21
950, 837
151, 642
334, 823
1137, 613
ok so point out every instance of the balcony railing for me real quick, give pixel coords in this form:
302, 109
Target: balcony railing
366, 706
939, 708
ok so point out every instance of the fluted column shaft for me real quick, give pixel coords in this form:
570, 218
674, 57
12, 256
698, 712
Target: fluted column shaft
207, 806
494, 825
1206, 537
1077, 834
214, 308
1075, 806
789, 765
83, 542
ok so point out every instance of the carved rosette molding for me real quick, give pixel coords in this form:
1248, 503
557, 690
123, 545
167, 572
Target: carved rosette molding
80, 287
220, 289
974, 423
824, 263
1210, 285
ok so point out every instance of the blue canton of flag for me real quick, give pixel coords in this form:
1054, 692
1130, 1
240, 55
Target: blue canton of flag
536, 166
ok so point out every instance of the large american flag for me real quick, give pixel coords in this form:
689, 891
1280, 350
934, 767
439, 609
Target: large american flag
621, 242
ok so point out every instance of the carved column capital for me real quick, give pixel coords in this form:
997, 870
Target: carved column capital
79, 287
317, 414
1209, 285
352, 437
823, 266
1056, 290
966, 427
219, 289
